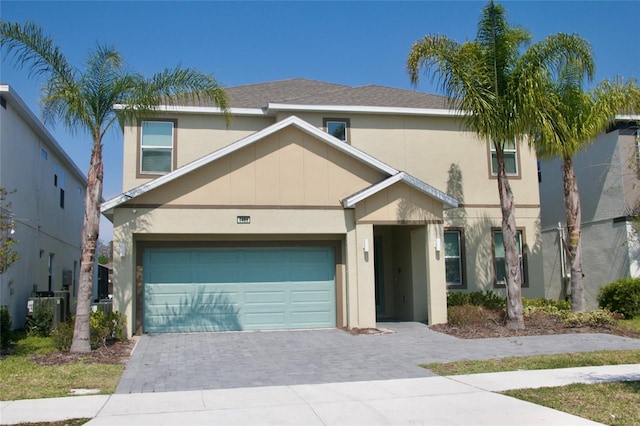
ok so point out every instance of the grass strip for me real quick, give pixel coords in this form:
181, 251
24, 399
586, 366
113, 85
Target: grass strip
609, 403
536, 362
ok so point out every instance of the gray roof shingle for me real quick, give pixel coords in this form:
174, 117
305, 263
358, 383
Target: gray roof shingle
300, 91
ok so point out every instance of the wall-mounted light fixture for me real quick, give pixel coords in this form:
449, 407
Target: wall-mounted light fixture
365, 246
437, 245
123, 249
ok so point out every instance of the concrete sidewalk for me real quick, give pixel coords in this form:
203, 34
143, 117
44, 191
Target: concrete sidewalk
453, 400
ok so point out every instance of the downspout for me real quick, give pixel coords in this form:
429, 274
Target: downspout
565, 279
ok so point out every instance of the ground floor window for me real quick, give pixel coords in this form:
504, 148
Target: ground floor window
499, 261
453, 257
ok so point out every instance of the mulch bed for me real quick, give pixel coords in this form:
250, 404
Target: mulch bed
115, 353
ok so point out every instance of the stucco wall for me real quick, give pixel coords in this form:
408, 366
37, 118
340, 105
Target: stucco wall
42, 227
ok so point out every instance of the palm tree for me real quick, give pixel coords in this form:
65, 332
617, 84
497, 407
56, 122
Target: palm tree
570, 120
497, 85
84, 100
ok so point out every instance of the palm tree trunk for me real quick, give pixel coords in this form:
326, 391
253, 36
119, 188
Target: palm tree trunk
515, 312
90, 229
573, 214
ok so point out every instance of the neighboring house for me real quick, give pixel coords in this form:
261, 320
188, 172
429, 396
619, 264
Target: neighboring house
608, 174
322, 205
47, 208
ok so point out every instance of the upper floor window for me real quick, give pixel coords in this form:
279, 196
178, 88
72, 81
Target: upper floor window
43, 154
337, 127
453, 257
499, 258
510, 159
156, 146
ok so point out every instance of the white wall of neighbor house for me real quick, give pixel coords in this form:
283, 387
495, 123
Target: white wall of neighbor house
607, 256
608, 184
47, 208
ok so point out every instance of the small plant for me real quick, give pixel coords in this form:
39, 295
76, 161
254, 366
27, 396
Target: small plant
63, 335
6, 327
595, 318
622, 296
105, 328
39, 324
487, 298
469, 315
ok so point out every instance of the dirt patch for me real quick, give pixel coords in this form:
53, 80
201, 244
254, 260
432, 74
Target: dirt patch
115, 353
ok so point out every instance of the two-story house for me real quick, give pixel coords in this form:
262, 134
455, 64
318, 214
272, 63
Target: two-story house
46, 192
322, 205
608, 173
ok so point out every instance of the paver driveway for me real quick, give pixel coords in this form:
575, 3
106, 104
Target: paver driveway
198, 361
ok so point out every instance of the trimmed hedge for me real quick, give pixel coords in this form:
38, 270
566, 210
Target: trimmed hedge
621, 296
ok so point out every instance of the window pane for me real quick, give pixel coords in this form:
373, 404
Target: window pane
453, 273
510, 163
157, 133
501, 271
510, 146
451, 244
499, 245
337, 129
156, 160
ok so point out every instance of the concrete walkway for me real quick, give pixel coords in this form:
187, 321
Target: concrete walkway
453, 400
201, 361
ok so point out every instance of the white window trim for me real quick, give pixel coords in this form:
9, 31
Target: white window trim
514, 150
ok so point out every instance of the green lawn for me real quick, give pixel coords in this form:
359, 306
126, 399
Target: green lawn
537, 362
24, 379
609, 403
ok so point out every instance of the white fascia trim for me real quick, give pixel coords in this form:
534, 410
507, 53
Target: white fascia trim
202, 110
366, 109
627, 117
293, 120
447, 201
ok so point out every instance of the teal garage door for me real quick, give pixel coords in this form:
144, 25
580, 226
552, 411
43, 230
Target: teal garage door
216, 289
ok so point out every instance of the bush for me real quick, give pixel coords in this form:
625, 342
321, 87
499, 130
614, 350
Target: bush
622, 296
6, 327
472, 315
63, 335
105, 327
488, 299
39, 324
547, 304
595, 318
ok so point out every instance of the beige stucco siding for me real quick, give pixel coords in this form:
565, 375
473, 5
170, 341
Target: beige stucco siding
398, 204
288, 168
197, 135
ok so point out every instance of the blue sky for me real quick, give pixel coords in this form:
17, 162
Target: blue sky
347, 42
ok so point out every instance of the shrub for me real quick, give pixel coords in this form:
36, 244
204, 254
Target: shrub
105, 327
63, 335
595, 318
488, 299
39, 324
6, 327
471, 315
622, 296
547, 304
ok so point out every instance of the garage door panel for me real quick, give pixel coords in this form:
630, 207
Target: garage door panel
264, 297
312, 296
238, 289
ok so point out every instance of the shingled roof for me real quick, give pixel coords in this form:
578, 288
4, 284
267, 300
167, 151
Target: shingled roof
300, 91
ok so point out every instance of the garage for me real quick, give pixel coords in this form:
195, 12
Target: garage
238, 288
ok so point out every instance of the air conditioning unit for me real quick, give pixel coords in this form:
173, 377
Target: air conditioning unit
34, 303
